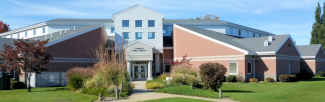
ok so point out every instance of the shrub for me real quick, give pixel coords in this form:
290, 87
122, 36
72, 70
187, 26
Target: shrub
19, 85
75, 82
269, 79
184, 79
182, 69
240, 77
84, 72
285, 77
163, 76
212, 75
231, 78
154, 85
253, 80
321, 73
304, 74
191, 79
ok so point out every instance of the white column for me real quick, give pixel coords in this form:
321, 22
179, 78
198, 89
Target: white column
149, 70
128, 66
157, 61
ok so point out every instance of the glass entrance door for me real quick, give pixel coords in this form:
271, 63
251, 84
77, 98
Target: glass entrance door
140, 72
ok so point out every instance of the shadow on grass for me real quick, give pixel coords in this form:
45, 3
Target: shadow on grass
315, 79
55, 89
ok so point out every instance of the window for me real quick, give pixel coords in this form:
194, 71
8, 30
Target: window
10, 36
43, 30
126, 35
165, 30
138, 23
231, 31
151, 23
125, 23
151, 35
112, 30
254, 35
18, 36
34, 31
25, 33
138, 35
232, 67
289, 67
260, 35
239, 32
249, 66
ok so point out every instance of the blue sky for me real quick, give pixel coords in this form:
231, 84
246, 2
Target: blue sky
293, 17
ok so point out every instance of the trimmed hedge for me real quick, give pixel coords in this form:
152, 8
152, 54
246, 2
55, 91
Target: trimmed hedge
269, 79
321, 73
231, 78
285, 78
154, 85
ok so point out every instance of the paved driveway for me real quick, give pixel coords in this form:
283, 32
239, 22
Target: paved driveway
140, 93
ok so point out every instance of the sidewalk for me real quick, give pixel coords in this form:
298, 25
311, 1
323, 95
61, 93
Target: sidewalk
140, 93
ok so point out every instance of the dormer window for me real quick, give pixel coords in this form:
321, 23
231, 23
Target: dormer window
138, 23
125, 23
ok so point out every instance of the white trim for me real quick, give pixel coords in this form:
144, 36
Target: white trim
307, 57
276, 51
168, 48
251, 67
266, 53
229, 68
38, 25
213, 40
73, 35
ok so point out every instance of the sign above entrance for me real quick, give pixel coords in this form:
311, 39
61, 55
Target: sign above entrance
138, 50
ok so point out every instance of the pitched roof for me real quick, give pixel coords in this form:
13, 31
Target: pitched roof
309, 50
180, 21
142, 41
251, 45
132, 8
82, 20
8, 41
257, 43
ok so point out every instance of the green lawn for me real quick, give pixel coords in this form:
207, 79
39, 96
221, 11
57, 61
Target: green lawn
46, 94
177, 99
302, 91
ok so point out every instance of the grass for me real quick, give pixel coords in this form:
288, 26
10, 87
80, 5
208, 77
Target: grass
177, 99
44, 94
310, 90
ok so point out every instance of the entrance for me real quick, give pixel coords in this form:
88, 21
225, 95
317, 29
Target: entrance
139, 72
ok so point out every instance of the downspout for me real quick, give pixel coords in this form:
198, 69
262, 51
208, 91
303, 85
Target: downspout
254, 64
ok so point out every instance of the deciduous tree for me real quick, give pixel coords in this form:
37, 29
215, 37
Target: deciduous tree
27, 56
4, 27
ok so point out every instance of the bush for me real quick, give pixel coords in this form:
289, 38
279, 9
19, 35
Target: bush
253, 80
231, 78
75, 82
321, 73
212, 75
84, 72
285, 77
154, 85
304, 74
163, 76
240, 77
183, 69
19, 85
184, 79
269, 79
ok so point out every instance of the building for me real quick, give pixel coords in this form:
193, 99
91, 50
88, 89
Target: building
312, 58
153, 40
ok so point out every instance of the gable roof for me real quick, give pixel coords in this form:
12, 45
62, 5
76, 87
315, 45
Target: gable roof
133, 8
180, 21
8, 41
309, 50
141, 41
81, 20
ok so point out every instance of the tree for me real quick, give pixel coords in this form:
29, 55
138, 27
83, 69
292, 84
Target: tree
318, 32
212, 75
28, 56
4, 27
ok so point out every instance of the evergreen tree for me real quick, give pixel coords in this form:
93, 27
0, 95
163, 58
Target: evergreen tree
316, 26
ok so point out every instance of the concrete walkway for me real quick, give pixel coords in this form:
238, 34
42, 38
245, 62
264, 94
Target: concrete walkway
140, 93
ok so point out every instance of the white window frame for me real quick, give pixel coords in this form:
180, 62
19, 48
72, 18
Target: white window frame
251, 67
154, 21
229, 67
154, 34
135, 23
136, 35
128, 22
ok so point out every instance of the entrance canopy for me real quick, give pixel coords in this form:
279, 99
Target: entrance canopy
139, 50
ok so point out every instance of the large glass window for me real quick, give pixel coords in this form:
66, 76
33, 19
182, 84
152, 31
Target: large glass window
25, 33
151, 23
125, 23
43, 30
138, 35
232, 67
138, 23
151, 35
165, 30
34, 31
249, 66
112, 30
126, 35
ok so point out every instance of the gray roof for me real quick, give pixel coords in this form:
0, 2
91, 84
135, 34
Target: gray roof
82, 20
251, 45
257, 43
180, 21
7, 41
309, 50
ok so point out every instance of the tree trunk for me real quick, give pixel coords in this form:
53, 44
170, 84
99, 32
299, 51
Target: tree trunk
30, 74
